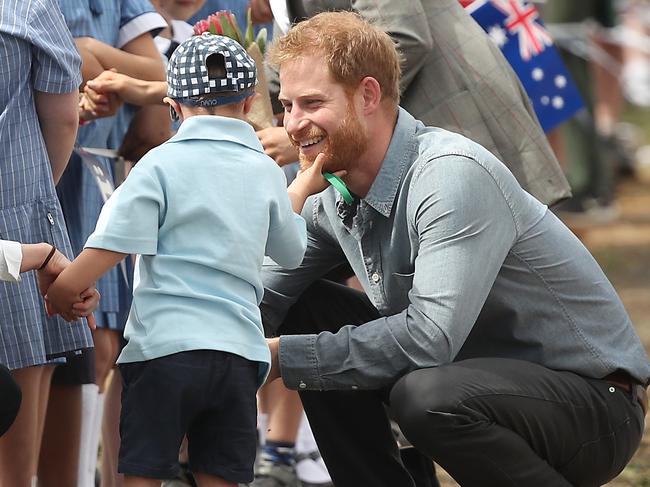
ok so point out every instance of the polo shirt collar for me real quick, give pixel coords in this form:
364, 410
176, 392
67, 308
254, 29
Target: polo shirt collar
384, 189
218, 128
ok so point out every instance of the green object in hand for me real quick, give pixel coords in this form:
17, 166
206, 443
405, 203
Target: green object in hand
340, 186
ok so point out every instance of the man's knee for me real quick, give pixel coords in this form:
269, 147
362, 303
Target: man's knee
421, 401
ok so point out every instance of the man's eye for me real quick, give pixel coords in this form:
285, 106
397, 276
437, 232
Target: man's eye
312, 103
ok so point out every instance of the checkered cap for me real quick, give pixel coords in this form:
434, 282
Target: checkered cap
187, 72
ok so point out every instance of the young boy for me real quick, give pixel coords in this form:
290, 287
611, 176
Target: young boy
201, 210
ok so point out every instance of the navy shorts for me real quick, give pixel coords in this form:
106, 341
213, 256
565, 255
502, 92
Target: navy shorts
207, 395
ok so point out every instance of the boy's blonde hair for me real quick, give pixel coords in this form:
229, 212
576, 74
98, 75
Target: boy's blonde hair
351, 46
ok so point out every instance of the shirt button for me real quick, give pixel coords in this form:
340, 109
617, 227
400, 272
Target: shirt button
302, 385
354, 388
375, 277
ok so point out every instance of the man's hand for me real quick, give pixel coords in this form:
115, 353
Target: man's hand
274, 347
277, 145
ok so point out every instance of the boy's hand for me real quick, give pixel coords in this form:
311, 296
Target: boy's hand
274, 347
46, 276
311, 180
86, 307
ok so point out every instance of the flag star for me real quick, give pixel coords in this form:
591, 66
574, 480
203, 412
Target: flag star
538, 74
560, 81
545, 100
498, 35
558, 102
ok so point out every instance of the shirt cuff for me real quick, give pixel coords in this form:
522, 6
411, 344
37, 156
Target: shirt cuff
10, 264
298, 362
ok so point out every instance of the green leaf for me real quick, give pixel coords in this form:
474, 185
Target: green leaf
249, 36
261, 40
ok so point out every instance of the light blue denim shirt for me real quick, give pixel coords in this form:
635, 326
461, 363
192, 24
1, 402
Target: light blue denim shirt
461, 262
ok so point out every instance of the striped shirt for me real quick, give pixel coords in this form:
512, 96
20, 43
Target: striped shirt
116, 23
37, 53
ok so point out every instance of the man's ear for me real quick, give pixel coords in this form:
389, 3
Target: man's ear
371, 94
175, 110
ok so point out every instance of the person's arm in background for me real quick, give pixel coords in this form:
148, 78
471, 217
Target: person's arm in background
138, 58
58, 116
56, 78
128, 89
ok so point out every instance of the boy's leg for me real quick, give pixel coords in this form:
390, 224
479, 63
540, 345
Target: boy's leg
160, 397
222, 436
205, 480
130, 481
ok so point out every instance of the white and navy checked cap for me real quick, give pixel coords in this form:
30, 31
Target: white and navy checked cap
187, 72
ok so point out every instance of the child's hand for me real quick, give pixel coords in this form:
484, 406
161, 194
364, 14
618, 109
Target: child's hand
86, 307
311, 180
117, 84
60, 300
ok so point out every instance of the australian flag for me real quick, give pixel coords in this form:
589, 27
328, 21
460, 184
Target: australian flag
515, 26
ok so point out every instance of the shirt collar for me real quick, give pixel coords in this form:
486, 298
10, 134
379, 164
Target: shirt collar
384, 189
215, 127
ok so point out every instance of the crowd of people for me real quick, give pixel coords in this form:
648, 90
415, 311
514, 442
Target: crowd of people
410, 288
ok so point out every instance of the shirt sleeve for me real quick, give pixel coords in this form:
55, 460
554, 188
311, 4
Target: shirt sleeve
138, 17
281, 287
465, 229
130, 219
11, 256
406, 23
57, 63
287, 238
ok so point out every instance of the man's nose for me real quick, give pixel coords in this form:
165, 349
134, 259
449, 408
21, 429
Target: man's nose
295, 122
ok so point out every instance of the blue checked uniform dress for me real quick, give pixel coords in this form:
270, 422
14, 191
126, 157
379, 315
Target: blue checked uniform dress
37, 53
114, 22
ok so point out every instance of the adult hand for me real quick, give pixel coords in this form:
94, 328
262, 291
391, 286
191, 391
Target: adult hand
274, 347
277, 145
260, 11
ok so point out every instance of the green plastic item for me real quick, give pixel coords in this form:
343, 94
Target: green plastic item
339, 186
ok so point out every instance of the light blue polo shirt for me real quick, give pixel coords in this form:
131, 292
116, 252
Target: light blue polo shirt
202, 210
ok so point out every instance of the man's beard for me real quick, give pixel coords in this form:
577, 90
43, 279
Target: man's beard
342, 147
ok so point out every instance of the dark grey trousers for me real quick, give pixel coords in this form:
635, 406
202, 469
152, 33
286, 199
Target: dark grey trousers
487, 421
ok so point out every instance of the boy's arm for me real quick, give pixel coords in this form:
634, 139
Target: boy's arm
80, 275
58, 118
308, 182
